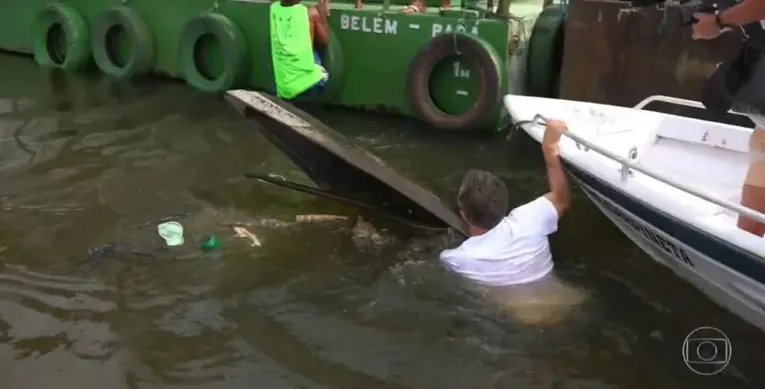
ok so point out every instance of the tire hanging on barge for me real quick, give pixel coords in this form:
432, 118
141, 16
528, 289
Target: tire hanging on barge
545, 58
205, 32
61, 38
122, 44
485, 62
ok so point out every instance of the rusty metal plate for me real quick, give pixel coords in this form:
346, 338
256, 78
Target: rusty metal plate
617, 55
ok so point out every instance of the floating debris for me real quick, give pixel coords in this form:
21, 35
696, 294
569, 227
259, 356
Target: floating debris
318, 218
242, 232
367, 238
209, 242
271, 223
171, 232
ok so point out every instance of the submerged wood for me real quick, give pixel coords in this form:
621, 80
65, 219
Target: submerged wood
341, 171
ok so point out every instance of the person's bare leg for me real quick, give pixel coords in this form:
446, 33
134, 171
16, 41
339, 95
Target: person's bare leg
753, 191
416, 6
358, 5
446, 4
752, 197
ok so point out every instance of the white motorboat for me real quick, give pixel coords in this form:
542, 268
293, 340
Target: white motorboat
672, 184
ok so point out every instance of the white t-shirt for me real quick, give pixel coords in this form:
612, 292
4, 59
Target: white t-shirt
515, 251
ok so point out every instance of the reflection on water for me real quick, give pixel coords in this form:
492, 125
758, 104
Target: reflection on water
86, 162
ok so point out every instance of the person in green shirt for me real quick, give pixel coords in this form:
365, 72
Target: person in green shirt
296, 34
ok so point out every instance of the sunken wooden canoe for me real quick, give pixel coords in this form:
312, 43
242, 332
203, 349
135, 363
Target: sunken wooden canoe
341, 171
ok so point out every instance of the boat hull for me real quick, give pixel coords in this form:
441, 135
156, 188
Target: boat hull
636, 165
684, 250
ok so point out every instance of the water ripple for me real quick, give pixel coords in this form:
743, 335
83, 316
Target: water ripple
84, 160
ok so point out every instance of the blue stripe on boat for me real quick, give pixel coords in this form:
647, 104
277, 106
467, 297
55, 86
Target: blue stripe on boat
736, 258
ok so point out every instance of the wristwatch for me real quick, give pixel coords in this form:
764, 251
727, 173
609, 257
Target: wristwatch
720, 24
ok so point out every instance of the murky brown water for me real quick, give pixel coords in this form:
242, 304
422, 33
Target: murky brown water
308, 309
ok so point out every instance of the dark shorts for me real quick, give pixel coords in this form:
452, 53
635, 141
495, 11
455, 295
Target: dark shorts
317, 87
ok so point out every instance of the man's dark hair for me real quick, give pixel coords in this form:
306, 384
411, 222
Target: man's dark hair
482, 198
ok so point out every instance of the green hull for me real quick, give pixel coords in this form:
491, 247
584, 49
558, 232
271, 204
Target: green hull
376, 49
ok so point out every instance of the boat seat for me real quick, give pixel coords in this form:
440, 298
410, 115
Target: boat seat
621, 140
699, 206
701, 168
722, 214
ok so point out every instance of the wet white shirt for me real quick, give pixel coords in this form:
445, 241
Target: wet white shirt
515, 251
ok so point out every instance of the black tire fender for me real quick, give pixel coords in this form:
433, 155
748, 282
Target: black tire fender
484, 60
61, 38
545, 56
333, 60
140, 56
236, 60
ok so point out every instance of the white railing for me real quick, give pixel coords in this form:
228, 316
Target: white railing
669, 99
628, 165
677, 101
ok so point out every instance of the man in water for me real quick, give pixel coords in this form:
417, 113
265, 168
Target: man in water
710, 26
509, 253
297, 32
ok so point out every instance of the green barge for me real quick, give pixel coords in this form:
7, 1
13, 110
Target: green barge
446, 67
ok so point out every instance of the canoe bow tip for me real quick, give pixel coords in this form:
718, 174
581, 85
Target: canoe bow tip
234, 99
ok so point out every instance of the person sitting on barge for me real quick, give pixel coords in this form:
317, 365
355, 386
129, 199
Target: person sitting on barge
418, 6
510, 253
297, 33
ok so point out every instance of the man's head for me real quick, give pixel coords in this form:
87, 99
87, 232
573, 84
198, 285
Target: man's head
482, 199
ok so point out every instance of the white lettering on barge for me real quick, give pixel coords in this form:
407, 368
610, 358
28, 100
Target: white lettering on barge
447, 28
366, 24
459, 72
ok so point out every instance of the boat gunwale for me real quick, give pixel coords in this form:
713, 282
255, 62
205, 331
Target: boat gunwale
588, 162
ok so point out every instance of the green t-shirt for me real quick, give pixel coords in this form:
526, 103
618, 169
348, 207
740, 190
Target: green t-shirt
292, 50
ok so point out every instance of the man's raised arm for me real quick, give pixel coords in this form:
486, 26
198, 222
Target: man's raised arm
319, 28
710, 26
560, 192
